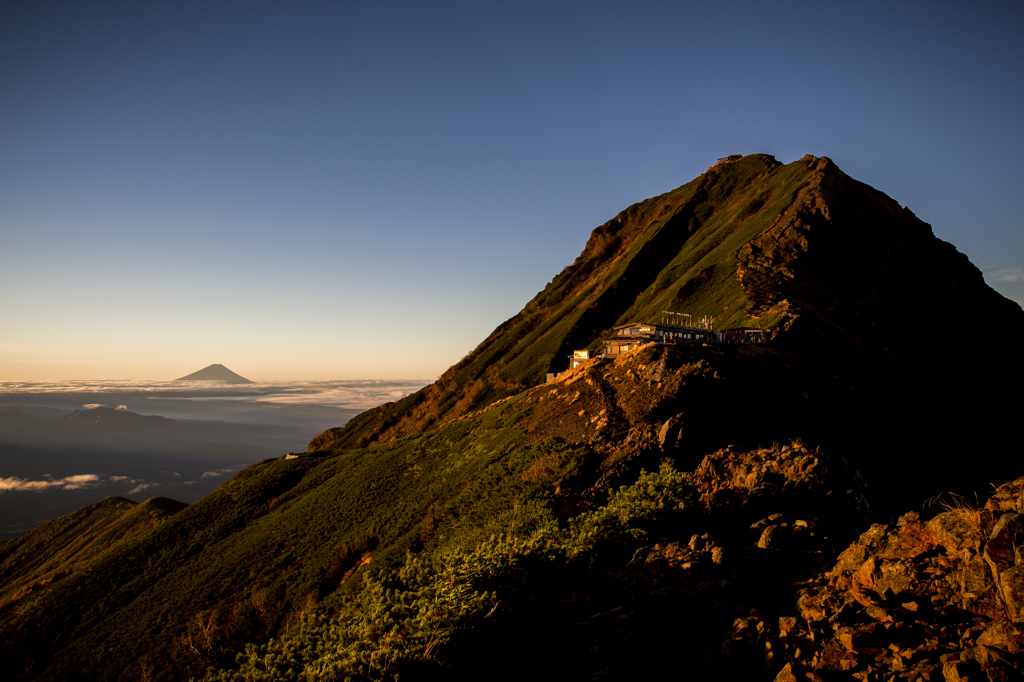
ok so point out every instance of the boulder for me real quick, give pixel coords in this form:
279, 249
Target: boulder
1012, 583
955, 530
1006, 536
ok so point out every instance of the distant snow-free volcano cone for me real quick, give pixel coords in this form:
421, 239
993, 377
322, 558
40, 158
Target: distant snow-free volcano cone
216, 373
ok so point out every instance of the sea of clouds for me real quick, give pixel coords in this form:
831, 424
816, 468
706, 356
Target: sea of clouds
301, 407
67, 483
350, 394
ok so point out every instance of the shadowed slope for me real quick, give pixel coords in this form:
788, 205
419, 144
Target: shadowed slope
675, 251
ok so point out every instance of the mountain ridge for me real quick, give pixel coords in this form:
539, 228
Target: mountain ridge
751, 242
126, 431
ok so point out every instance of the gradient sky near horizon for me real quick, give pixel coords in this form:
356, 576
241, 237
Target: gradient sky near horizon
340, 190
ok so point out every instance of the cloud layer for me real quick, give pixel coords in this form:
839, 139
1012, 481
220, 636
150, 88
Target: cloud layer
67, 483
361, 395
80, 481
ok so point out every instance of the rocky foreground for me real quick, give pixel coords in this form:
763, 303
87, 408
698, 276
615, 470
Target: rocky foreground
916, 600
935, 599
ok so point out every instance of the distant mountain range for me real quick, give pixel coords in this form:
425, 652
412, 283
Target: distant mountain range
114, 430
712, 512
125, 453
216, 373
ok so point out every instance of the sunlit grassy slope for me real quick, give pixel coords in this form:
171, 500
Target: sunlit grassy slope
677, 251
673, 252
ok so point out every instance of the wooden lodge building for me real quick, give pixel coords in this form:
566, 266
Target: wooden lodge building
626, 337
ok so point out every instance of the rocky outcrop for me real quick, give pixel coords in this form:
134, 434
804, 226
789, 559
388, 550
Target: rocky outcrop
703, 601
779, 598
937, 599
784, 480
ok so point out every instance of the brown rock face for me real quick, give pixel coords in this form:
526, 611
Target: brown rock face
1001, 547
912, 600
713, 601
938, 600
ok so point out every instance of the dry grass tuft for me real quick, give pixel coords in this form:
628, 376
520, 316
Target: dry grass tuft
959, 505
972, 514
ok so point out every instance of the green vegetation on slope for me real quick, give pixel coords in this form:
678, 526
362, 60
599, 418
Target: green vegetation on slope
687, 261
244, 562
401, 620
680, 255
60, 547
316, 556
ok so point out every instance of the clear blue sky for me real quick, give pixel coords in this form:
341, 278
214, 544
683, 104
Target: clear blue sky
365, 190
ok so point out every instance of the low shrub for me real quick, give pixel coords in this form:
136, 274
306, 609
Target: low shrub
400, 618
650, 509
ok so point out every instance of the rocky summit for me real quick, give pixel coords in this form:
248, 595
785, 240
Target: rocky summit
770, 457
832, 269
